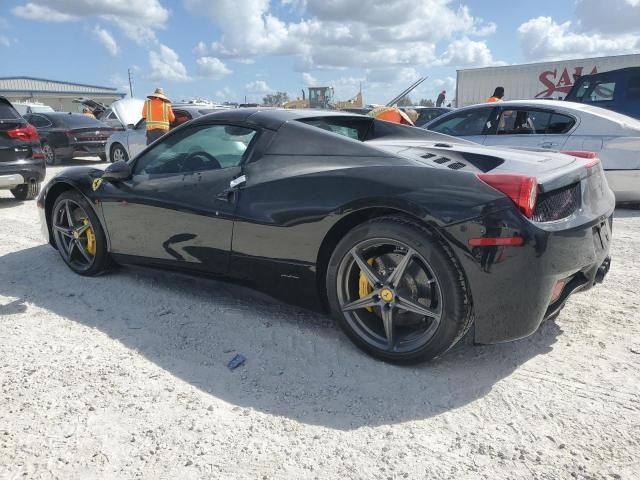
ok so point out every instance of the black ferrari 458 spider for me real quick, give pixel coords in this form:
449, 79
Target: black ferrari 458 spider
408, 237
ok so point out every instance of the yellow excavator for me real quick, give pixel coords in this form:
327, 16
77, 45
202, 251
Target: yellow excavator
322, 98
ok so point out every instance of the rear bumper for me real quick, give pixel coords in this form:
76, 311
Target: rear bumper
625, 185
23, 171
512, 286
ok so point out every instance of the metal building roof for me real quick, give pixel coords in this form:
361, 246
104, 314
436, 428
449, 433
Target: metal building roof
43, 85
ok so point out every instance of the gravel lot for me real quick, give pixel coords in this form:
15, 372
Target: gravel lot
125, 376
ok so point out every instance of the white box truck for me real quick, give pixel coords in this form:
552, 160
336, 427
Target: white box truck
533, 80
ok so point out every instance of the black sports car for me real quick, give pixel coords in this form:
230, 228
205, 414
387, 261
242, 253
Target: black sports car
407, 237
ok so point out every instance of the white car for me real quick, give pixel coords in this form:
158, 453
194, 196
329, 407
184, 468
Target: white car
556, 125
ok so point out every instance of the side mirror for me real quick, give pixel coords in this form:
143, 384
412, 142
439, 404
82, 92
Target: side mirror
117, 172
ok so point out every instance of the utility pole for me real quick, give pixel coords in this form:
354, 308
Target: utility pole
130, 86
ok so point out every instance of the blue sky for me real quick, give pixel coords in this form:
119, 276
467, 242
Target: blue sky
229, 49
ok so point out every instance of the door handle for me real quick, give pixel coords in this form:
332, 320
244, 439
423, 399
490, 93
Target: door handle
547, 144
227, 194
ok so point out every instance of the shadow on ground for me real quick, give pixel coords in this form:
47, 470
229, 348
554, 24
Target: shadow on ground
299, 365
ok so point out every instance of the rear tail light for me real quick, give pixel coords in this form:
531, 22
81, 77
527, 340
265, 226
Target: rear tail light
593, 156
27, 133
523, 190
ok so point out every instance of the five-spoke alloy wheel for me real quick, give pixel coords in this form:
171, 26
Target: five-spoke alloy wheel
397, 291
78, 235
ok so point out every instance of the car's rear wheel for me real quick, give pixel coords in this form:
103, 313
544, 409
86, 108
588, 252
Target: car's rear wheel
118, 153
397, 291
49, 154
78, 235
26, 191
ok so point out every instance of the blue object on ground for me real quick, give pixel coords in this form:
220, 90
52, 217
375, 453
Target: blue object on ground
236, 361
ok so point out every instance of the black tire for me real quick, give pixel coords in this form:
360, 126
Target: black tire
118, 151
49, 154
74, 204
26, 191
435, 271
103, 157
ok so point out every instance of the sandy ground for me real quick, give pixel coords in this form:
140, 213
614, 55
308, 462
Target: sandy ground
125, 376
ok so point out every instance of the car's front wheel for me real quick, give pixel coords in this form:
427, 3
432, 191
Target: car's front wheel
118, 153
78, 235
397, 291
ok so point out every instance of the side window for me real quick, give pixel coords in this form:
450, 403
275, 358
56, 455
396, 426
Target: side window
524, 121
141, 125
39, 121
560, 124
596, 91
633, 87
473, 122
200, 148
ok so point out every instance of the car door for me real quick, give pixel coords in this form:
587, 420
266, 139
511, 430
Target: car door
178, 207
470, 123
137, 138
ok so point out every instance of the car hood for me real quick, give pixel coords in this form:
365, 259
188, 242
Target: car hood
128, 110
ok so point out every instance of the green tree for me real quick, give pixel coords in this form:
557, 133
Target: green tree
426, 102
405, 101
275, 99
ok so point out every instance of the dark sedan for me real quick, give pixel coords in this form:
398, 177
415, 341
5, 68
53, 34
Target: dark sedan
67, 135
407, 237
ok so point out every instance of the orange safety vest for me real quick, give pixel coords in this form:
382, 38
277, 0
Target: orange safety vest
391, 114
158, 114
493, 99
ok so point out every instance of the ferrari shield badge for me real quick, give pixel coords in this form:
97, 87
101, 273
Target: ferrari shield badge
96, 184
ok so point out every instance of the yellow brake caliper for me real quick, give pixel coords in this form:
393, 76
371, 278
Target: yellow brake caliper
364, 287
91, 238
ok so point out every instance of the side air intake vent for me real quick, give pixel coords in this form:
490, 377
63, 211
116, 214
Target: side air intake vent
456, 165
427, 155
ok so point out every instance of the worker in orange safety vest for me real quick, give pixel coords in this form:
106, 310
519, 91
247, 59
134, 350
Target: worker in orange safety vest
498, 93
158, 115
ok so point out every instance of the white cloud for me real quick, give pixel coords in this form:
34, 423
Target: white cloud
609, 17
211, 67
544, 39
4, 41
337, 34
258, 87
165, 65
106, 39
225, 94
309, 80
42, 13
465, 52
137, 19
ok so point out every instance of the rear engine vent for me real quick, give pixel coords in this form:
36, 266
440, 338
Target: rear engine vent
456, 165
557, 204
428, 155
442, 160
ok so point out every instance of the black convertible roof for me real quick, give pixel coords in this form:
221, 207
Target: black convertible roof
271, 118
